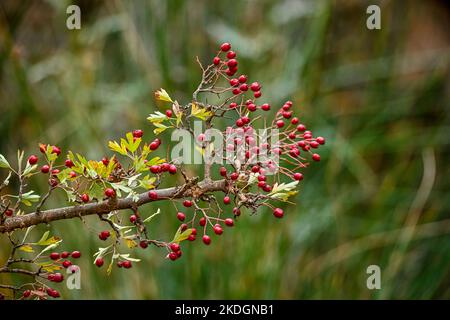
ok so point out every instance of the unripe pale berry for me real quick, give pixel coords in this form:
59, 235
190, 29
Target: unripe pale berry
32, 159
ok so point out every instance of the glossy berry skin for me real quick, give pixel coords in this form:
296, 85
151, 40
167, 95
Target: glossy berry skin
175, 247
143, 244
225, 47
66, 263
206, 239
298, 176
257, 94
57, 277
69, 163
173, 256
280, 123
54, 255
226, 200
236, 212
169, 113
265, 107
234, 176
153, 195
110, 193
223, 171
26, 293
65, 254
255, 86
33, 159
155, 169
56, 150
133, 218
278, 213
232, 63
301, 127
234, 82
216, 60
229, 222
243, 87
45, 169
316, 157
181, 216
187, 203
172, 169
99, 262
9, 213
320, 140
231, 54
242, 78
104, 235
202, 221
127, 264
218, 229
252, 107
76, 254
85, 197
138, 133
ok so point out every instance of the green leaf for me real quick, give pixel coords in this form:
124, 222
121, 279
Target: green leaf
162, 95
181, 236
200, 113
157, 117
3, 162
132, 144
29, 197
159, 128
114, 146
28, 169
148, 219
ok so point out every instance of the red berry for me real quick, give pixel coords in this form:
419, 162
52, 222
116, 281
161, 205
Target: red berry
229, 222
9, 213
261, 184
32, 159
187, 203
153, 195
265, 107
173, 256
154, 145
110, 193
26, 293
191, 237
202, 221
233, 105
255, 169
298, 176
231, 54
76, 254
45, 168
133, 218
104, 235
255, 86
257, 94
280, 123
57, 277
143, 244
245, 119
234, 176
56, 150
294, 121
234, 82
155, 169
267, 188
239, 122
316, 157
232, 63
138, 133
175, 247
65, 254
54, 255
226, 200
251, 107
99, 262
225, 47
169, 113
218, 229
216, 60
301, 127
181, 216
172, 169
105, 161
66, 263
127, 264
165, 167
206, 239
236, 91
72, 174
236, 211
278, 213
69, 163
243, 87
55, 172
242, 78
230, 72
314, 144
85, 197
286, 114
223, 171
320, 140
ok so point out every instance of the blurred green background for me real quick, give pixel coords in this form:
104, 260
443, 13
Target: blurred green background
380, 98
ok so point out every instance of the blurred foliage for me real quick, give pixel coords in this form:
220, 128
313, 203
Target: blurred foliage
380, 195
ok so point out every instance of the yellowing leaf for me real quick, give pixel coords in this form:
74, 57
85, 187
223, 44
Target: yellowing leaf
130, 243
162, 95
200, 113
157, 117
160, 128
181, 236
49, 267
114, 146
26, 248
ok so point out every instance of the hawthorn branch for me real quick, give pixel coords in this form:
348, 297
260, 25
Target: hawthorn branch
24, 221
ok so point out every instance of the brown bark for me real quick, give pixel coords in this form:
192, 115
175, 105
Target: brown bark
103, 207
